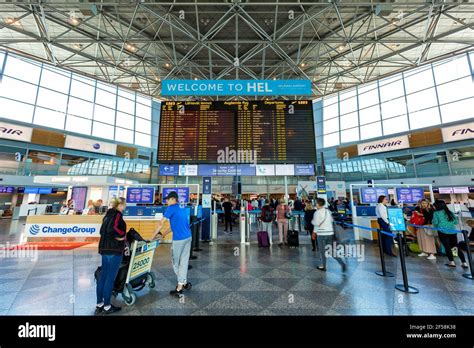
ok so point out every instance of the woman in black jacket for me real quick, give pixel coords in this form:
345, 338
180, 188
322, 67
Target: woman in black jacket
111, 247
308, 217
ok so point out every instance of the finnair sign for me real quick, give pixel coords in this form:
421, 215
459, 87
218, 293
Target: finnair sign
460, 132
384, 145
235, 87
14, 132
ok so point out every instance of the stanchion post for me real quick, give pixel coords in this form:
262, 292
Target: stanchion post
198, 225
404, 287
469, 256
384, 272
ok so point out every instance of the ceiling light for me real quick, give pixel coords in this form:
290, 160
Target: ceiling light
78, 46
131, 47
341, 47
167, 65
195, 79
274, 78
12, 21
302, 65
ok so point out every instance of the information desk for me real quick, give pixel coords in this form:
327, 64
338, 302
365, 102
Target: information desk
82, 228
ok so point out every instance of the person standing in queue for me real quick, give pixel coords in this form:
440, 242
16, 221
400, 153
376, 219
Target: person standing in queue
324, 230
283, 212
267, 217
181, 247
111, 247
445, 219
308, 218
426, 236
227, 206
382, 219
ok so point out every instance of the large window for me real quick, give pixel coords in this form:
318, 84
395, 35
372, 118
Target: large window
430, 95
52, 97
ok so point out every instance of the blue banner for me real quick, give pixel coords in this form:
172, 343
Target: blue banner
169, 169
207, 170
183, 193
321, 184
235, 87
143, 195
206, 185
371, 194
246, 170
409, 194
304, 169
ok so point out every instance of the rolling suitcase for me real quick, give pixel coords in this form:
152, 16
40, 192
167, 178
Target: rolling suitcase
263, 241
293, 240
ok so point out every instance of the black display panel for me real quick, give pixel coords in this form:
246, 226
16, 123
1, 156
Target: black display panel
199, 132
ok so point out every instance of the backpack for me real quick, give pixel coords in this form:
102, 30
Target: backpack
267, 214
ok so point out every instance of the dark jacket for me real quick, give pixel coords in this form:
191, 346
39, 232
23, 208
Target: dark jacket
113, 226
266, 208
308, 217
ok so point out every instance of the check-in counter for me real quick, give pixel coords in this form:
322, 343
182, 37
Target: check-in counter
83, 228
365, 221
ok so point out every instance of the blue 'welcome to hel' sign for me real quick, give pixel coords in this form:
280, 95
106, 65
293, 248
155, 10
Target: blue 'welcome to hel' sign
235, 87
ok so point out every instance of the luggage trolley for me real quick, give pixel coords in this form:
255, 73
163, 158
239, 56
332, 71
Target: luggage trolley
139, 270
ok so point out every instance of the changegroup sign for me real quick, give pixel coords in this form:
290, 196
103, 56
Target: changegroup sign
235, 87
62, 230
384, 145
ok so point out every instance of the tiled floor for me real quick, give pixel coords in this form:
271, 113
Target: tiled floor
230, 280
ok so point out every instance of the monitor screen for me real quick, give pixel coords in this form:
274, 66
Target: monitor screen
263, 131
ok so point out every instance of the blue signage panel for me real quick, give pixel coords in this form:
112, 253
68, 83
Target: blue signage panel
144, 195
33, 190
409, 194
246, 170
235, 87
304, 169
183, 193
321, 184
207, 170
206, 185
371, 194
169, 169
45, 190
396, 219
226, 170
6, 189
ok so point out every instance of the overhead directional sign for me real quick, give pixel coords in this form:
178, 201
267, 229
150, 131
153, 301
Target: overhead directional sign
235, 87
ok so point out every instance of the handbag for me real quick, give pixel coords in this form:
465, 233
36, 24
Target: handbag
417, 219
288, 215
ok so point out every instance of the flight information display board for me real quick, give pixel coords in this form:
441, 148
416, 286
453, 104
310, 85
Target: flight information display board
236, 132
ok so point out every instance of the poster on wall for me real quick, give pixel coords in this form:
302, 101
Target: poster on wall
183, 193
409, 194
369, 195
79, 197
141, 195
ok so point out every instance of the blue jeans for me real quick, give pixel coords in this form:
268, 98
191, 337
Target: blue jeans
108, 273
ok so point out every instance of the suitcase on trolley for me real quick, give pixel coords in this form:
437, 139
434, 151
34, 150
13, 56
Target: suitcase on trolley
263, 241
293, 239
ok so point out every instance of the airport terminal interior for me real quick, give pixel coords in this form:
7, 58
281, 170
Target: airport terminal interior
319, 154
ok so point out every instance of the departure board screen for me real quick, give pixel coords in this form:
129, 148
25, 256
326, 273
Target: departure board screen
203, 132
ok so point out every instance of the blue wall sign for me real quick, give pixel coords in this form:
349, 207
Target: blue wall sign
235, 87
169, 169
144, 195
304, 169
183, 193
372, 194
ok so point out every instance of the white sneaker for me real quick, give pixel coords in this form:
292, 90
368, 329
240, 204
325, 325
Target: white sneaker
422, 254
431, 257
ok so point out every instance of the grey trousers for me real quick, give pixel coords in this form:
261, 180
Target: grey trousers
180, 251
322, 242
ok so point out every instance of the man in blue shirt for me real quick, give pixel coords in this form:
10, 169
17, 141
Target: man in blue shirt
181, 247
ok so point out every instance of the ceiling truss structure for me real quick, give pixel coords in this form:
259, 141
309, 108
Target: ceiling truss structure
336, 44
